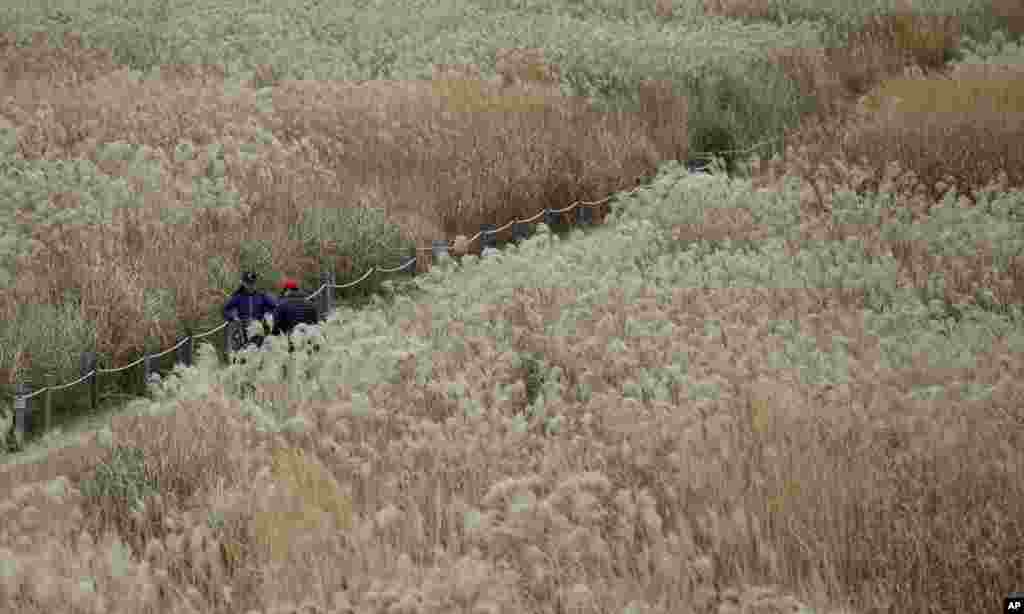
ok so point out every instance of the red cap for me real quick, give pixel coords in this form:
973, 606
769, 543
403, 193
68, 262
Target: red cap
290, 284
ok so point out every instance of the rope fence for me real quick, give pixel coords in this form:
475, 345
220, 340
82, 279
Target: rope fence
235, 337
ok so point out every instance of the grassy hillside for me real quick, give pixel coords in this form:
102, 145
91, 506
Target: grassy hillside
798, 387
281, 137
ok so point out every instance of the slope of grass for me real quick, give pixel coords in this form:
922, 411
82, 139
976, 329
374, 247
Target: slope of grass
798, 386
697, 378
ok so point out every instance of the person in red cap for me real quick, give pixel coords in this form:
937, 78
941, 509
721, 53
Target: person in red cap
292, 309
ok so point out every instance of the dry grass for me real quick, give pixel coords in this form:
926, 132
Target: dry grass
815, 74
960, 132
412, 148
856, 493
885, 46
918, 138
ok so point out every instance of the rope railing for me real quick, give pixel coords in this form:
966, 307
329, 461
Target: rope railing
712, 154
706, 155
235, 336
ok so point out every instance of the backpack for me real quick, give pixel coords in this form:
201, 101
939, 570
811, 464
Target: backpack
292, 310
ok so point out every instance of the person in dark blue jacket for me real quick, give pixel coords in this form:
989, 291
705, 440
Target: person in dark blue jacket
246, 304
292, 309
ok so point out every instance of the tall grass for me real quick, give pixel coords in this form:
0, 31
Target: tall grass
649, 418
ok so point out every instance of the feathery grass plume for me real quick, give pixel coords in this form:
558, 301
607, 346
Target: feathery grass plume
887, 386
926, 40
315, 496
954, 132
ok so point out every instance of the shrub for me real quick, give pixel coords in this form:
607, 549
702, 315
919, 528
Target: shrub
188, 449
48, 338
729, 107
348, 241
119, 485
534, 374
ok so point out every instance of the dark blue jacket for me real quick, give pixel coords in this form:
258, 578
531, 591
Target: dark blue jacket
249, 305
292, 309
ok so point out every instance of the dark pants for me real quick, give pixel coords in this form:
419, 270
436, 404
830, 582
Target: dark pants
256, 339
251, 340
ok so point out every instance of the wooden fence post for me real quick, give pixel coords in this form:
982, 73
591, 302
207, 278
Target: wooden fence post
327, 300
94, 392
21, 410
184, 353
551, 218
439, 250
488, 239
88, 364
586, 216
520, 232
48, 402
227, 339
145, 372
148, 375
